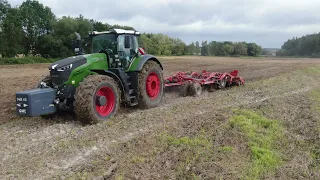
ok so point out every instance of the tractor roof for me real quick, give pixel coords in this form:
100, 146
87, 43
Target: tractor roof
116, 31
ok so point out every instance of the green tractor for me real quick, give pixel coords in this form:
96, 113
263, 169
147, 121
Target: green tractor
115, 72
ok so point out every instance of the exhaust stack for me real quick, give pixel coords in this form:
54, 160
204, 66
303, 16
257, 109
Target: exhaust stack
77, 44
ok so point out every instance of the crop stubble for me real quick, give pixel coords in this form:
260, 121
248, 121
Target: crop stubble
45, 134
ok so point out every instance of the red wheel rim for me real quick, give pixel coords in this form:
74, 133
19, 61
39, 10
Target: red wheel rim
109, 106
153, 85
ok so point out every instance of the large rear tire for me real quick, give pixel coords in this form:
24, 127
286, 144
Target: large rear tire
150, 84
97, 99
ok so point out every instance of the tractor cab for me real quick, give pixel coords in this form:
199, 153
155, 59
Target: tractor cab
120, 46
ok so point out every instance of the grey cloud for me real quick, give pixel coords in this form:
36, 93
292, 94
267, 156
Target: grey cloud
287, 18
266, 22
267, 40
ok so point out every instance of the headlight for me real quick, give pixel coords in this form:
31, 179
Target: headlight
65, 67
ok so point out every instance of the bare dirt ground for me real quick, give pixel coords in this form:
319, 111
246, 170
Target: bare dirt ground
184, 138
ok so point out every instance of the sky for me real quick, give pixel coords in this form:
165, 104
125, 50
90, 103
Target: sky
268, 23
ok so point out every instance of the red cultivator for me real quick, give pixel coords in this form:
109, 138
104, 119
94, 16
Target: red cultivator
193, 83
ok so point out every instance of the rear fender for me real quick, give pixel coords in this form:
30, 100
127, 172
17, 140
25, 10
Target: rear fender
137, 64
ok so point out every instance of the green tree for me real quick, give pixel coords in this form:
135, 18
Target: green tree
213, 48
197, 47
58, 43
144, 42
4, 8
178, 47
49, 46
192, 48
308, 45
12, 36
205, 49
240, 49
122, 27
254, 49
228, 49
37, 20
99, 26
33, 28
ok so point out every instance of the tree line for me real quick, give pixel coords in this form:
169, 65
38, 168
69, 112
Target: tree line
225, 48
33, 29
308, 45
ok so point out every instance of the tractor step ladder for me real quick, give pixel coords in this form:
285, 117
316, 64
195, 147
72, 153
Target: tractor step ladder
131, 95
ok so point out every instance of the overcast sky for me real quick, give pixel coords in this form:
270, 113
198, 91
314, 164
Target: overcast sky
266, 22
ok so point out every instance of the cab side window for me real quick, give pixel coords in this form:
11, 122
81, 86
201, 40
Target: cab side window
121, 47
127, 48
131, 45
135, 44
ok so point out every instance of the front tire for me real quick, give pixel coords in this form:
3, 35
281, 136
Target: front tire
97, 99
46, 79
150, 85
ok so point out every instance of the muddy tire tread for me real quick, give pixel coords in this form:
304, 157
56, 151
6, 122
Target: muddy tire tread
144, 103
83, 106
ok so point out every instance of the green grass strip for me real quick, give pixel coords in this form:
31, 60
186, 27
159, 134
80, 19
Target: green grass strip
262, 133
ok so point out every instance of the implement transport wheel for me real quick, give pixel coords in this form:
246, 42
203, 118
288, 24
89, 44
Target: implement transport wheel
239, 83
191, 89
196, 89
97, 99
150, 84
223, 83
185, 90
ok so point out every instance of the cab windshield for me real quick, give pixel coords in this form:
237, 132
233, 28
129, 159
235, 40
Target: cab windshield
100, 42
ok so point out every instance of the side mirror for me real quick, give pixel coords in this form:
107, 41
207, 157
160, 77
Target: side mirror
126, 42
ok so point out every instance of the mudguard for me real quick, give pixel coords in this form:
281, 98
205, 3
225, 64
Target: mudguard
137, 64
118, 76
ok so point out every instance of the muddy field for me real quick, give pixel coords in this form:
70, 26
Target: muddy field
207, 137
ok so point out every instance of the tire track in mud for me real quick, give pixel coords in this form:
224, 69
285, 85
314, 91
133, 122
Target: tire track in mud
36, 138
174, 111
81, 156
46, 134
85, 154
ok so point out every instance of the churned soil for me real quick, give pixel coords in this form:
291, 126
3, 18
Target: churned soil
183, 138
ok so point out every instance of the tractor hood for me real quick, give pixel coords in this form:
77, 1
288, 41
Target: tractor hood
68, 63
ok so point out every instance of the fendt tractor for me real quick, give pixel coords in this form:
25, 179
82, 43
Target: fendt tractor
108, 71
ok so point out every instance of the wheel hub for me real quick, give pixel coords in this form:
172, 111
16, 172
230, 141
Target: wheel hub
153, 85
101, 100
105, 101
